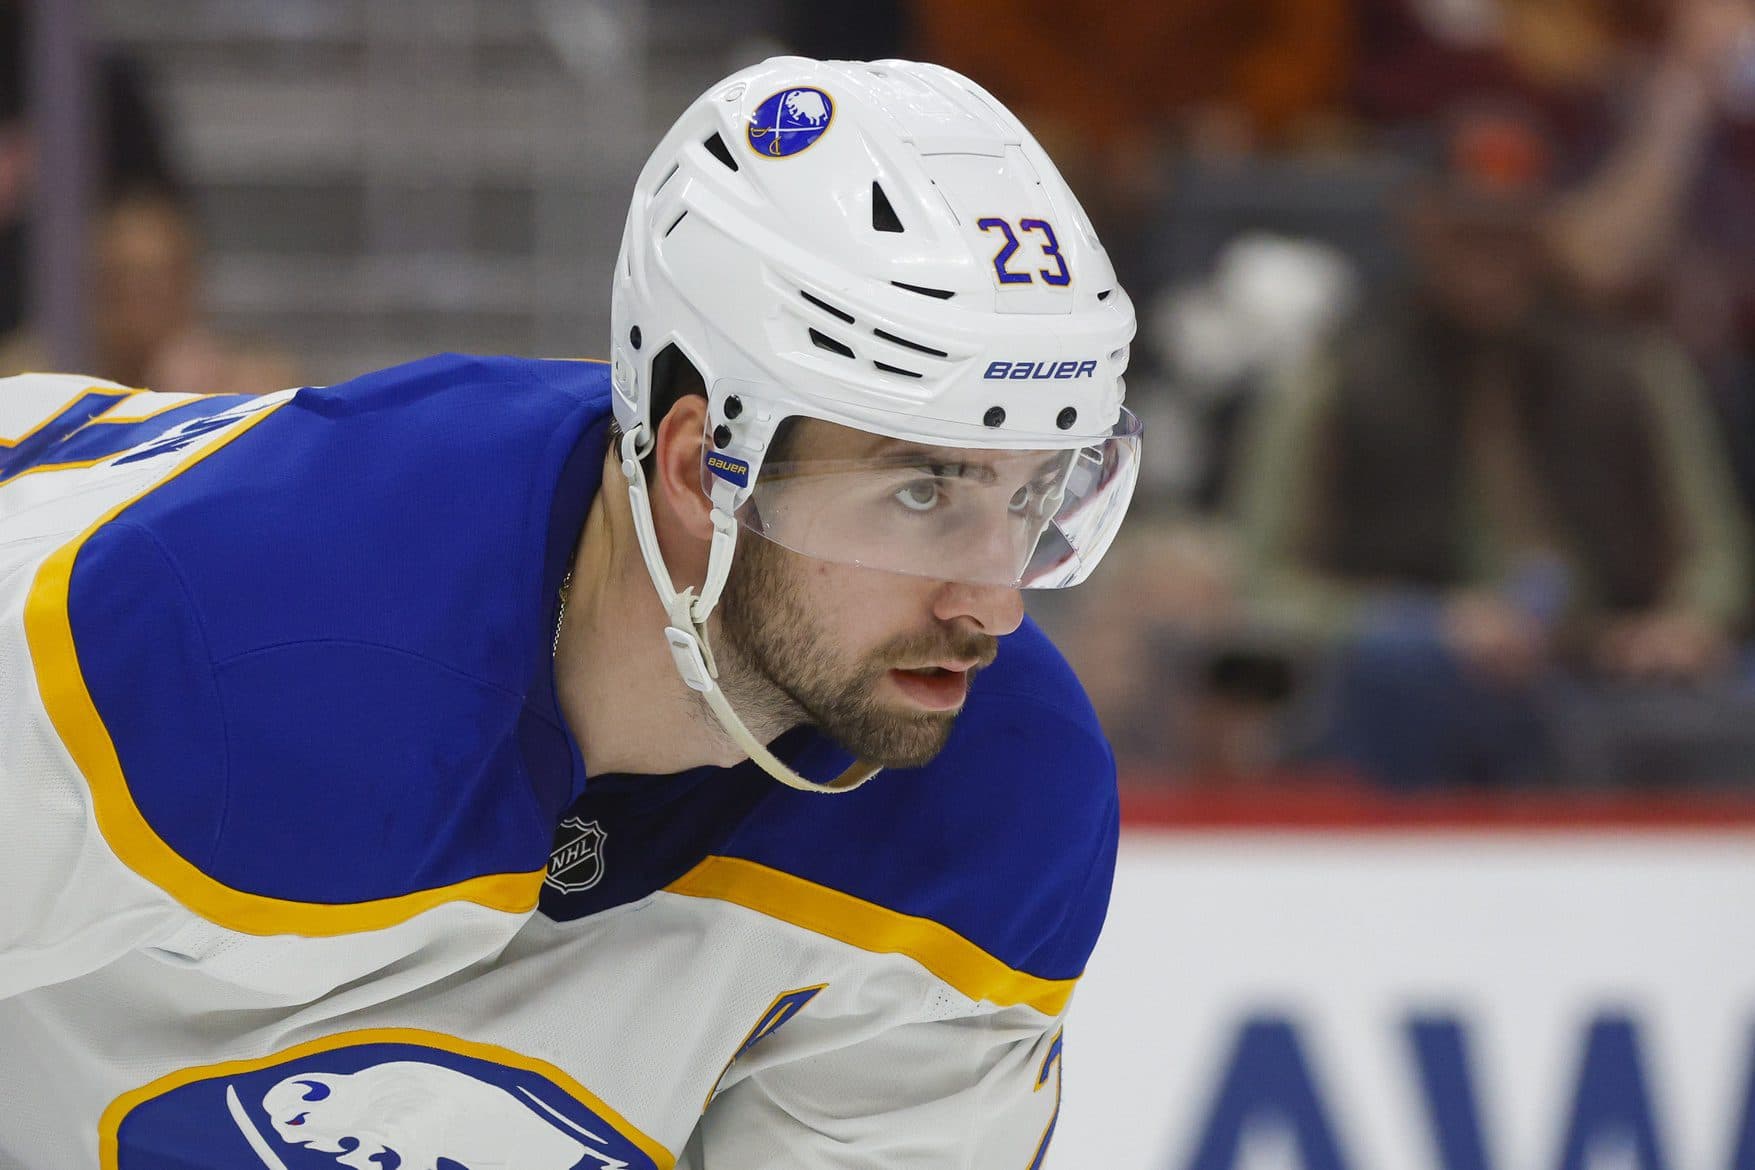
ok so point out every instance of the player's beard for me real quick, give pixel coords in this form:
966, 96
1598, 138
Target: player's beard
782, 666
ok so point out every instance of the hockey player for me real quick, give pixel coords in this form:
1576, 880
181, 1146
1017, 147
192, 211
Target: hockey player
298, 694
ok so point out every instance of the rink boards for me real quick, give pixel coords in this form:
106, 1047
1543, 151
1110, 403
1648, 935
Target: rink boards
1556, 992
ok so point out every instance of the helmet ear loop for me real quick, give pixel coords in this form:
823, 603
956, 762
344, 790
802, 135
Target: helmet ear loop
641, 441
646, 441
677, 606
724, 497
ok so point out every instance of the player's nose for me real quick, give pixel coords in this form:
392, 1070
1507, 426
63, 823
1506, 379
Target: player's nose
996, 610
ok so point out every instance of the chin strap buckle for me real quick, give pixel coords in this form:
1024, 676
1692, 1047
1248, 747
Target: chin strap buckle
685, 648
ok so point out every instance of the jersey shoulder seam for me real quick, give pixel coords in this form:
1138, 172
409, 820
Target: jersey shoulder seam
198, 623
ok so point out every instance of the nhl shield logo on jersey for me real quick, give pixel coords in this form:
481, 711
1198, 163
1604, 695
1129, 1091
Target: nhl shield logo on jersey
372, 1101
789, 121
577, 862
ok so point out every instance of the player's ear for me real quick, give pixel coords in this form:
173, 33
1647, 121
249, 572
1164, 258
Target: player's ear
682, 440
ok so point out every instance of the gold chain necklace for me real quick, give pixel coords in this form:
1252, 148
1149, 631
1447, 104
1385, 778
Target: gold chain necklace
561, 613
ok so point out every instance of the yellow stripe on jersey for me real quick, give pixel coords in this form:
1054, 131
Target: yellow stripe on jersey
147, 404
43, 420
874, 928
49, 632
109, 1126
74, 465
125, 412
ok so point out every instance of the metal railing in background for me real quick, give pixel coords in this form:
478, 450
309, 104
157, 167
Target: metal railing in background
380, 179
60, 96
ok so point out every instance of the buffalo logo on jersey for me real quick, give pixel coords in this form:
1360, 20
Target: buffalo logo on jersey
789, 121
433, 1104
577, 862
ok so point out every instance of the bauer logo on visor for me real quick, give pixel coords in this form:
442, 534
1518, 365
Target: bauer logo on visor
790, 121
731, 470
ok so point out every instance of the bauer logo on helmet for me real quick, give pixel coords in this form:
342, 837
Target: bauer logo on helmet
1025, 371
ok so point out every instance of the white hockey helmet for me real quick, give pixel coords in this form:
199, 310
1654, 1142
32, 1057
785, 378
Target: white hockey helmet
883, 247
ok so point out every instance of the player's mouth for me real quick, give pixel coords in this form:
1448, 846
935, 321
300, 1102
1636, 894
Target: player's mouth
937, 687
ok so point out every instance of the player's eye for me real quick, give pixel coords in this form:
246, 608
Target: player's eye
920, 495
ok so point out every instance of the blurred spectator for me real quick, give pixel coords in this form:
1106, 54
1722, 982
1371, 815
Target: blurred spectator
146, 322
1182, 682
1681, 170
131, 149
1511, 516
1418, 58
1267, 302
1121, 75
1655, 103
1111, 88
1661, 231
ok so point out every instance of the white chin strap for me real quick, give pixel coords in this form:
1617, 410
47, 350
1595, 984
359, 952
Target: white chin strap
687, 629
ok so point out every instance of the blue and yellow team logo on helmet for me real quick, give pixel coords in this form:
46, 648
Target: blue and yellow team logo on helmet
790, 121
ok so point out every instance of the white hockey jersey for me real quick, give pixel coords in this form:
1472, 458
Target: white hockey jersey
303, 869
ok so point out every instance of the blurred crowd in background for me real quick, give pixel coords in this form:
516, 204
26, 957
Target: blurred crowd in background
1446, 356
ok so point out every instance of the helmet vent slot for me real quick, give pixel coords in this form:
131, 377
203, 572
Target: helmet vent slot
674, 222
883, 216
913, 345
823, 341
716, 147
889, 369
1104, 295
668, 176
826, 307
943, 294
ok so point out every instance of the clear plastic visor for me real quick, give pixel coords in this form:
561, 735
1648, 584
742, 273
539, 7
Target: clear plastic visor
1038, 519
